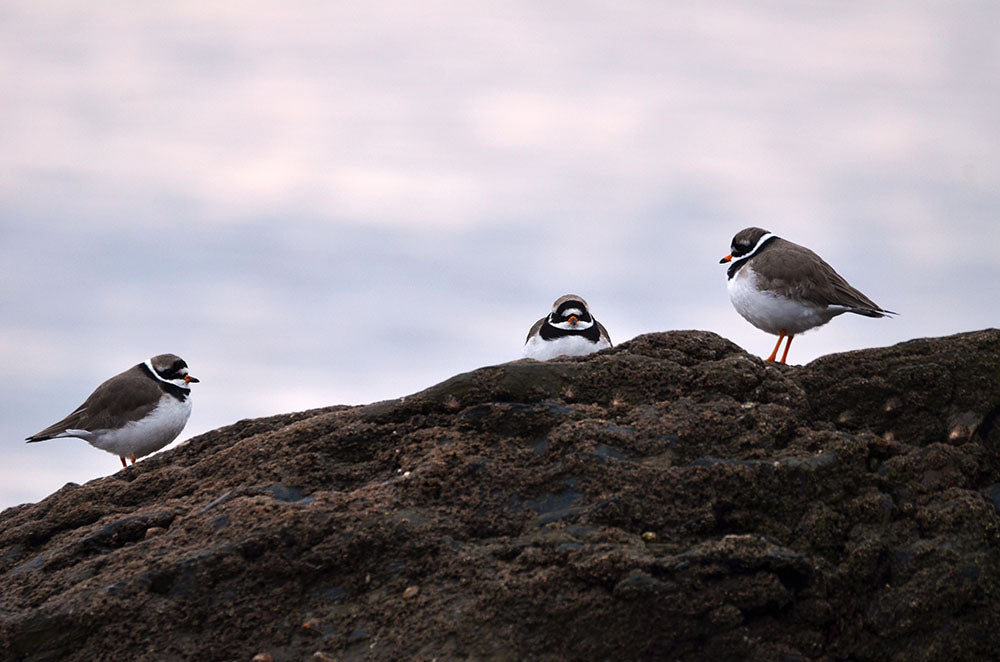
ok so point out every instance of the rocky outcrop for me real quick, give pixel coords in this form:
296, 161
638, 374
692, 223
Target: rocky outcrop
672, 498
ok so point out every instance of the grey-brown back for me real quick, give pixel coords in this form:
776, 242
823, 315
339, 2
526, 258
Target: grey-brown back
128, 396
797, 272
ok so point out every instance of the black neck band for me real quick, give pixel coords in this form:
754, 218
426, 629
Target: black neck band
549, 332
173, 389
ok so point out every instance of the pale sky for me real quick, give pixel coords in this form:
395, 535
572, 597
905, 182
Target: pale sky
327, 203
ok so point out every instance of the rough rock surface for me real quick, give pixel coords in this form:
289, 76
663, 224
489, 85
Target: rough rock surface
672, 498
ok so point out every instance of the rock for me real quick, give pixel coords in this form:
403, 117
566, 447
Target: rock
671, 498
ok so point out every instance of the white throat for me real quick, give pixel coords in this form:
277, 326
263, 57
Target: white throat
176, 382
760, 242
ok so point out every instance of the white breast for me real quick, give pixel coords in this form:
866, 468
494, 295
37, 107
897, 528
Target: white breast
159, 428
543, 350
772, 312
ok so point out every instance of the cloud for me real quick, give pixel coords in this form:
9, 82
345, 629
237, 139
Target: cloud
322, 203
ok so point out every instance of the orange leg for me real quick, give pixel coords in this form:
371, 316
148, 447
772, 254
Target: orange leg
132, 456
776, 346
122, 458
787, 345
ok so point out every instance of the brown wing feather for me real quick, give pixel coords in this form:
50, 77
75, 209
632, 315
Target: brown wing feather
129, 396
604, 332
535, 328
802, 274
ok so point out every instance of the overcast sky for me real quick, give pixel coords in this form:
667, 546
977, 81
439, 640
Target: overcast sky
323, 203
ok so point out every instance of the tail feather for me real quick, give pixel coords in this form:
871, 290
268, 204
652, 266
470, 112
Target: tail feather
50, 433
873, 312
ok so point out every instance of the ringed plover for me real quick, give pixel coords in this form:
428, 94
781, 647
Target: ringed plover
569, 330
785, 289
134, 413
